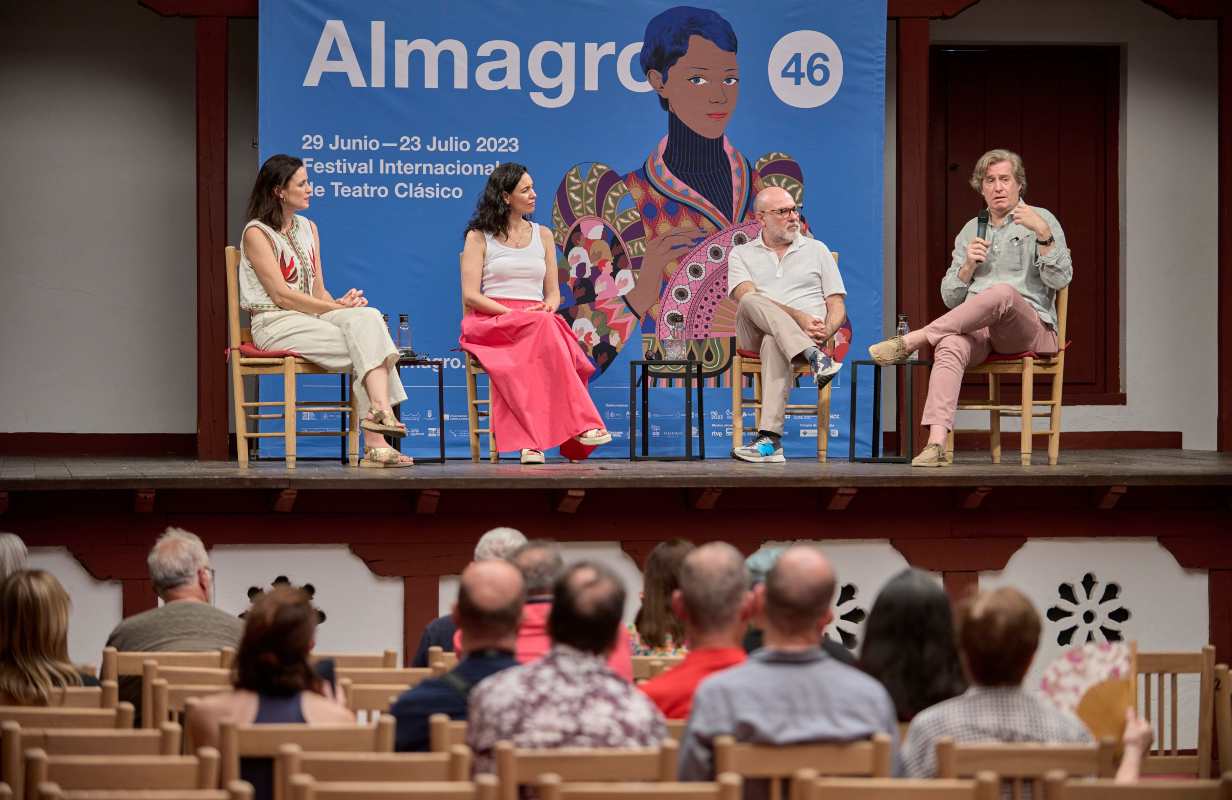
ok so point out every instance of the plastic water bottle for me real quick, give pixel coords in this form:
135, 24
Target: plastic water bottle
902, 329
404, 333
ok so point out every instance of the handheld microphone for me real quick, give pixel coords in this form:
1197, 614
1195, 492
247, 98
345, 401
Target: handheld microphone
981, 226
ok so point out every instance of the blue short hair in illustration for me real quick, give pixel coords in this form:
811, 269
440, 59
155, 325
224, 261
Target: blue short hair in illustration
667, 37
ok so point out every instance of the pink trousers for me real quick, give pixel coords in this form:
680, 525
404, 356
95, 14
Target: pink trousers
998, 320
538, 376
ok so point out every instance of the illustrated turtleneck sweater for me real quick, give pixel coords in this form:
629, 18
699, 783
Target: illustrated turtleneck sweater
700, 162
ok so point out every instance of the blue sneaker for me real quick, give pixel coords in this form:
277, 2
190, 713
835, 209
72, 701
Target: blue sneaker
823, 366
764, 450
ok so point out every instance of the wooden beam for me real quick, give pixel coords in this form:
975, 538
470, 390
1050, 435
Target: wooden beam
427, 500
212, 429
911, 265
143, 501
1109, 498
1223, 320
4, 502
704, 499
840, 498
202, 8
975, 498
567, 502
420, 601
960, 584
927, 9
1190, 9
285, 501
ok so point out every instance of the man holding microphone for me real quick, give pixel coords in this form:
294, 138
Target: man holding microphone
1008, 264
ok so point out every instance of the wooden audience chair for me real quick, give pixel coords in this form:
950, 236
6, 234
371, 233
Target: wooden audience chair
1027, 366
14, 742
303, 787
1160, 704
647, 667
74, 772
400, 676
105, 696
1021, 764
807, 786
1058, 787
246, 359
675, 728
440, 659
239, 790
169, 703
746, 364
42, 717
519, 766
1223, 716
871, 758
369, 697
444, 733
725, 787
332, 767
266, 741
386, 659
117, 664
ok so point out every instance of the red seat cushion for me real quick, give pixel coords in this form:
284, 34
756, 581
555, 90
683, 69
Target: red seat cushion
1022, 355
748, 353
250, 350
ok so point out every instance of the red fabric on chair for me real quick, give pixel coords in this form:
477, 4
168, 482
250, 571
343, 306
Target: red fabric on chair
250, 350
1022, 355
748, 353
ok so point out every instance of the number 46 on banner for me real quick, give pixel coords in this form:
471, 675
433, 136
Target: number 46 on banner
805, 69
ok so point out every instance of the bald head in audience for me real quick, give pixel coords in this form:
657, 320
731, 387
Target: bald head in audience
489, 607
541, 566
713, 599
587, 605
796, 598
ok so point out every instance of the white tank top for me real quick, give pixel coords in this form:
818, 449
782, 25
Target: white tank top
296, 254
515, 273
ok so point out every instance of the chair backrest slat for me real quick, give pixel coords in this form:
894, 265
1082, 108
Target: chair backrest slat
1058, 787
482, 788
1162, 707
806, 786
1223, 715
444, 733
517, 766
1024, 764
725, 787
72, 772
778, 763
387, 659
406, 676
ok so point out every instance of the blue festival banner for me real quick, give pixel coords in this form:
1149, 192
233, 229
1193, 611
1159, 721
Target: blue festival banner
401, 110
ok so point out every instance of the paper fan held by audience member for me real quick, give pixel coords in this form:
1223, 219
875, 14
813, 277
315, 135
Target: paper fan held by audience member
1094, 682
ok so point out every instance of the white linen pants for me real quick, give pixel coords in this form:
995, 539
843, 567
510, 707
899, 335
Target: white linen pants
348, 337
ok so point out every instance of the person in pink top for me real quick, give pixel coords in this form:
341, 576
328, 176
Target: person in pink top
715, 604
541, 566
537, 370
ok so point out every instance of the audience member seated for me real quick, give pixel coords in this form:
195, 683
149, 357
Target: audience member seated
998, 633
570, 697
541, 566
34, 640
488, 610
496, 543
714, 602
909, 644
758, 565
790, 691
655, 631
12, 555
182, 577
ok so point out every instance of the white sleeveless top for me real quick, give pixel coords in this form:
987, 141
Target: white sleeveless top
297, 259
515, 273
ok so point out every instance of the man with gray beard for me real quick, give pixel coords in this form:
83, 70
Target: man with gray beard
790, 300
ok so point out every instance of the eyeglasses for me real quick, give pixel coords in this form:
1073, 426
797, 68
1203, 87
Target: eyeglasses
783, 213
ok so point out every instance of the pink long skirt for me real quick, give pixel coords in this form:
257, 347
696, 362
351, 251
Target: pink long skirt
538, 375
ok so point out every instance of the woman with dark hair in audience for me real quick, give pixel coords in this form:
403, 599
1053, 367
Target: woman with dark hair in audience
656, 631
274, 681
282, 286
511, 293
909, 644
34, 640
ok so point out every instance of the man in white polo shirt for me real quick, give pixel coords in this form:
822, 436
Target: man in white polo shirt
791, 300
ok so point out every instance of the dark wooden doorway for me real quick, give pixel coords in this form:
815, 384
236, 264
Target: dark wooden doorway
1059, 108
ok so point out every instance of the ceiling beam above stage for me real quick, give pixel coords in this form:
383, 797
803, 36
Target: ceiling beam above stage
202, 8
1191, 9
927, 9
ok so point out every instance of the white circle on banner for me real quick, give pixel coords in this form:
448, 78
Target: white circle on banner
805, 69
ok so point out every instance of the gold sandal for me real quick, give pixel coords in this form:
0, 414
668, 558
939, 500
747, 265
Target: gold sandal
384, 458
532, 456
383, 422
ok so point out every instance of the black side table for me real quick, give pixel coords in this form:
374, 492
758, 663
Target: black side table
906, 438
692, 371
438, 364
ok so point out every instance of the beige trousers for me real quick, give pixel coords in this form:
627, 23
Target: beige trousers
348, 337
763, 326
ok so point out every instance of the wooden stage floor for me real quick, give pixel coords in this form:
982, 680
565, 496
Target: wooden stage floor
1178, 468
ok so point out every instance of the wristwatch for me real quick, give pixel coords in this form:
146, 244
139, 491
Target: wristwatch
1045, 242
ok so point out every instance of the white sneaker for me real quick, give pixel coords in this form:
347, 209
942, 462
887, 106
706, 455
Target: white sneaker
764, 450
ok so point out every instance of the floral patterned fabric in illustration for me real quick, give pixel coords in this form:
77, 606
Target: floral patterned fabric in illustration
566, 699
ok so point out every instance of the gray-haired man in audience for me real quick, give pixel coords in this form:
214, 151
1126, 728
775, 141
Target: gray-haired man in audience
790, 691
182, 577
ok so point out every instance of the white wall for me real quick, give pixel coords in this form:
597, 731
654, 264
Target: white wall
1169, 195
97, 289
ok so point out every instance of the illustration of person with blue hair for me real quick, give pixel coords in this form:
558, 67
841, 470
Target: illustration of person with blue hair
647, 252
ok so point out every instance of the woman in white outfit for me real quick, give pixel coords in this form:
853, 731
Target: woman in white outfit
282, 286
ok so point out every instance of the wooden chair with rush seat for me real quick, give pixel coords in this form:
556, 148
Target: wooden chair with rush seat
746, 364
1027, 366
246, 359
477, 407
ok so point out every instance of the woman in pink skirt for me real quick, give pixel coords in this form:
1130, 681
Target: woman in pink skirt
538, 373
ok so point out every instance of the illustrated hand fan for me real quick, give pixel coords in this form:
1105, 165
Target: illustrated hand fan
1094, 682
